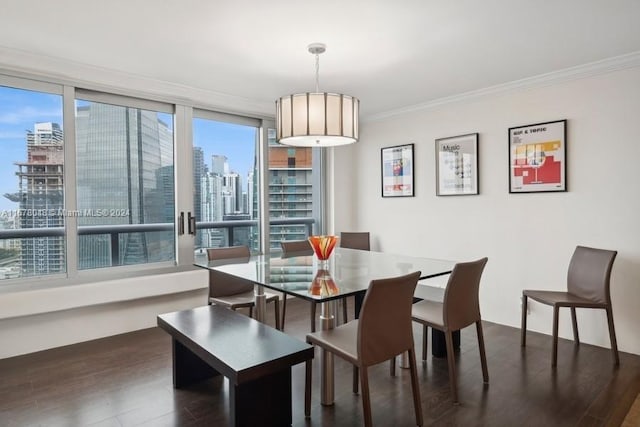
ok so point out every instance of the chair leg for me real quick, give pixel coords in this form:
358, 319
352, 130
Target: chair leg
612, 336
307, 389
425, 342
313, 317
574, 323
392, 366
250, 311
277, 313
415, 387
448, 335
366, 401
523, 328
554, 351
355, 379
284, 310
483, 355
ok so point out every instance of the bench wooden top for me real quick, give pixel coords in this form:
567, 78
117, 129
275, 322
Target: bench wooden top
239, 347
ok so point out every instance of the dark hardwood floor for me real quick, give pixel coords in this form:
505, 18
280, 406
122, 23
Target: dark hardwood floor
126, 380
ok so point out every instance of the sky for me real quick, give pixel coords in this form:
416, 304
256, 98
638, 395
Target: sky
21, 109
234, 141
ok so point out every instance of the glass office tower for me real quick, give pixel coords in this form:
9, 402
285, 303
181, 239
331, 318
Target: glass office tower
124, 165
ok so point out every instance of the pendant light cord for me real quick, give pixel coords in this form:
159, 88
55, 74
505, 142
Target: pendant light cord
317, 73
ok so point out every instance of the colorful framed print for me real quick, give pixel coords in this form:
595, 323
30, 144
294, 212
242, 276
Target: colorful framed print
457, 165
538, 157
397, 171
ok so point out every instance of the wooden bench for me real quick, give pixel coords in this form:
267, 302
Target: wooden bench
256, 358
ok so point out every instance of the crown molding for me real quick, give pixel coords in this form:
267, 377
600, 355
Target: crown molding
55, 70
61, 71
631, 60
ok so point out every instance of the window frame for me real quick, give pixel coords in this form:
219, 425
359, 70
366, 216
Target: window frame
183, 114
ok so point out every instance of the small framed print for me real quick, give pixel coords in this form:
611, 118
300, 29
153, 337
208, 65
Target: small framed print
457, 165
538, 157
397, 171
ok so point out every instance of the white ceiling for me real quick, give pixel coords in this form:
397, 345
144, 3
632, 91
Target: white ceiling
390, 54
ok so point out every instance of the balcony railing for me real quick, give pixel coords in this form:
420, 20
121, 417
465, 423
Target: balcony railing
114, 231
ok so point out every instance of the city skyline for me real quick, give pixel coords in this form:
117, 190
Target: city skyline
21, 109
124, 161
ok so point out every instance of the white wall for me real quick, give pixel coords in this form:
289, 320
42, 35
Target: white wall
529, 238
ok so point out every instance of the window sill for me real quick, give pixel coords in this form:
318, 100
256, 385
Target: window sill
46, 300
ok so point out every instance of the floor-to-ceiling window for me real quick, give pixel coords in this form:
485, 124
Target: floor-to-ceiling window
88, 189
96, 185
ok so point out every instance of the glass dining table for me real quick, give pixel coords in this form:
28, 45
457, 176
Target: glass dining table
347, 272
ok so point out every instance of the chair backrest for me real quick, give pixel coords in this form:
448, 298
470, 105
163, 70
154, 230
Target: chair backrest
355, 240
461, 306
229, 252
384, 328
299, 247
220, 284
590, 273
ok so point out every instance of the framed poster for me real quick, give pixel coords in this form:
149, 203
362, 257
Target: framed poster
457, 165
538, 157
397, 171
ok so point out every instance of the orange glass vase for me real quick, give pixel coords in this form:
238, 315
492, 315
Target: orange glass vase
323, 246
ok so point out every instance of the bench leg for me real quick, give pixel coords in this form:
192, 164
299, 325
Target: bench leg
265, 401
187, 367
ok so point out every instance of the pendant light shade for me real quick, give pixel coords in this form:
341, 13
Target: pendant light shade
317, 119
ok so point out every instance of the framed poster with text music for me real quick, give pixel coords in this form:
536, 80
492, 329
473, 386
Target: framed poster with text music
457, 165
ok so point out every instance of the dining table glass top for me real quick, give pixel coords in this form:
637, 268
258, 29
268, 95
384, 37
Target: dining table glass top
346, 272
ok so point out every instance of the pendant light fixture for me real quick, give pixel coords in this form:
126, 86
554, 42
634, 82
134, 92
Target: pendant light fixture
317, 119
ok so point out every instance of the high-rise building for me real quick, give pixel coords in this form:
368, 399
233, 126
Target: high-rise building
219, 165
10, 223
290, 189
124, 162
232, 194
199, 171
211, 185
251, 200
41, 200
